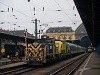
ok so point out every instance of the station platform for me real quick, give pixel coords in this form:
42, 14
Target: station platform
91, 65
6, 61
12, 65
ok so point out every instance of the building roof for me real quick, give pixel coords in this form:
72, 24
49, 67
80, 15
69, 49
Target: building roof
80, 29
5, 31
59, 29
21, 33
16, 32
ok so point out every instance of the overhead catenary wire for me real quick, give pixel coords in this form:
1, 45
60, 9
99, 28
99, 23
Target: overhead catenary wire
74, 14
45, 9
14, 17
9, 12
20, 11
49, 17
63, 10
34, 9
22, 27
13, 23
16, 10
43, 12
30, 10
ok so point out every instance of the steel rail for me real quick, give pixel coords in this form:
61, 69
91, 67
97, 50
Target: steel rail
76, 67
55, 72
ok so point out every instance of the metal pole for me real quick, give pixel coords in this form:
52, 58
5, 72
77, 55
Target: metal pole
0, 47
14, 31
25, 42
93, 18
36, 28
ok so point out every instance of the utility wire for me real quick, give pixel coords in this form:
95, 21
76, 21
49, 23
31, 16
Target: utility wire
17, 10
63, 10
30, 8
73, 10
14, 17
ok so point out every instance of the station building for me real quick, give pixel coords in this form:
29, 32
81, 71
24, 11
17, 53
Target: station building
16, 32
67, 33
81, 34
12, 42
61, 33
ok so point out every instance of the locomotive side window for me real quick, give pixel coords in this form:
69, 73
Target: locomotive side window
50, 48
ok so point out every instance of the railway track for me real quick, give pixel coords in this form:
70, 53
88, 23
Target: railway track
70, 68
57, 68
17, 70
66, 67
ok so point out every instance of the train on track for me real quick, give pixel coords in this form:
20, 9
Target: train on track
90, 49
47, 50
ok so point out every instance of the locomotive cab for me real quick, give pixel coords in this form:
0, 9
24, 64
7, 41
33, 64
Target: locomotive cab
40, 51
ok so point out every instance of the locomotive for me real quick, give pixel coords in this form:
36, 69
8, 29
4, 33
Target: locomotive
41, 51
46, 50
90, 49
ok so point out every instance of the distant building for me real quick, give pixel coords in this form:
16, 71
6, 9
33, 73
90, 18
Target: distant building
16, 32
21, 33
81, 34
5, 31
61, 33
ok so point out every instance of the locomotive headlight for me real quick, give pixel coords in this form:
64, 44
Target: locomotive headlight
36, 50
32, 51
39, 59
26, 58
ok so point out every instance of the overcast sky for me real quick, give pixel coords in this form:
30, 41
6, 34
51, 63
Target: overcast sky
21, 13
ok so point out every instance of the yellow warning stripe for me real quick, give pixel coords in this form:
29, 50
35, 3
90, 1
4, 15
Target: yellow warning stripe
37, 48
45, 51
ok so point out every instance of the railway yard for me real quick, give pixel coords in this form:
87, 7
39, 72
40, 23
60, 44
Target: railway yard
47, 56
65, 67
50, 46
